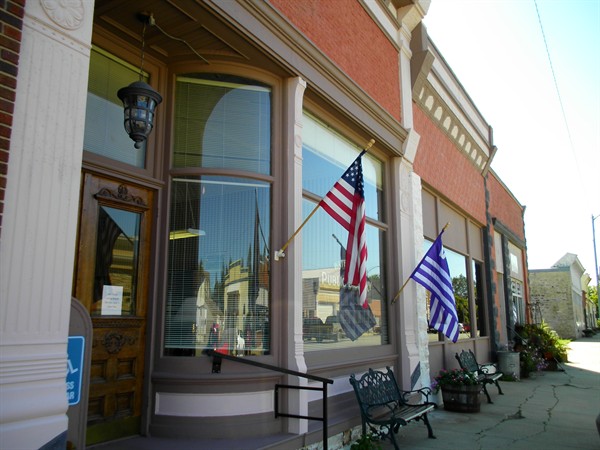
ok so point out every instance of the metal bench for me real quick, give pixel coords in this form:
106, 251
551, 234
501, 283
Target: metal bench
385, 408
485, 373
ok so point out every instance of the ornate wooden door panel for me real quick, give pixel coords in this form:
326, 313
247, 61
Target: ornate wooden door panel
111, 281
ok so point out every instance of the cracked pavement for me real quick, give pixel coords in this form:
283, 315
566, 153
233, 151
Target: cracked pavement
550, 410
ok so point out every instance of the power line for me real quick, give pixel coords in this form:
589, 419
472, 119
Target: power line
564, 115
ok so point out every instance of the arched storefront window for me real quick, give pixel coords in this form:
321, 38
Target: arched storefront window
218, 275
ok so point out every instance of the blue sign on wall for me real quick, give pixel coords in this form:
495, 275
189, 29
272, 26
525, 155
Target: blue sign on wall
75, 350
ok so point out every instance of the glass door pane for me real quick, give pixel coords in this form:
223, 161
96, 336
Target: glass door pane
117, 255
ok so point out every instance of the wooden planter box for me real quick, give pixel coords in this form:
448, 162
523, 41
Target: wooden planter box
462, 398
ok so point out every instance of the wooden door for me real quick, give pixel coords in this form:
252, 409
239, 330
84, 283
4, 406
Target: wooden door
112, 282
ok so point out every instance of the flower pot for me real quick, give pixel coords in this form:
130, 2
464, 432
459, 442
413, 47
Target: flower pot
461, 398
551, 365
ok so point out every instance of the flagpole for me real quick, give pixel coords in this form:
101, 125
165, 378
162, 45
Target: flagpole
281, 253
408, 279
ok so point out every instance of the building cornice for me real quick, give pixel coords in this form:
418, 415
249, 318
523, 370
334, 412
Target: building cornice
285, 44
506, 231
437, 91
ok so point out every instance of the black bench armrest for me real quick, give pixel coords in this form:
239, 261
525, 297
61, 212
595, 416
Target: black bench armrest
409, 397
488, 369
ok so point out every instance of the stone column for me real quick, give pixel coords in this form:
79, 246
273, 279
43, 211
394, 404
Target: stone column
410, 309
40, 220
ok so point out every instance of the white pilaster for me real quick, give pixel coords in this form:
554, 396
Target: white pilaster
297, 399
40, 219
410, 308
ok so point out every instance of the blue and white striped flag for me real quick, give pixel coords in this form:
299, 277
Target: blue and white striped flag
433, 274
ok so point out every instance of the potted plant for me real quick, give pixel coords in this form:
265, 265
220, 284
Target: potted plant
460, 390
540, 342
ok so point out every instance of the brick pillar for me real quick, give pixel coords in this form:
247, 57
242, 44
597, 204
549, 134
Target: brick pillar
11, 25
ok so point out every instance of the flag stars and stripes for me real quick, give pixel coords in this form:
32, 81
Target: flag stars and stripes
345, 202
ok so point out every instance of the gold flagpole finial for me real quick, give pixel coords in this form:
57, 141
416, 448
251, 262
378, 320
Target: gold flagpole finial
370, 144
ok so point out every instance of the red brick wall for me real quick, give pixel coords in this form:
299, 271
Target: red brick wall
344, 31
11, 24
505, 208
446, 169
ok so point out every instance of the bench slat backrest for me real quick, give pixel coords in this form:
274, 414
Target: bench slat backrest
467, 361
376, 388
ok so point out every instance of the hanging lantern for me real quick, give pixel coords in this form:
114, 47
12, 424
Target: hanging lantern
139, 101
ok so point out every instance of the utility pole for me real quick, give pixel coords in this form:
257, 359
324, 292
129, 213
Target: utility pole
596, 266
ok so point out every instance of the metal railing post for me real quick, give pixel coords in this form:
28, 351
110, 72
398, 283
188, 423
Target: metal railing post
216, 368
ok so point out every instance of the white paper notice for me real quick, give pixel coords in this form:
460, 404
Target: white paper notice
112, 300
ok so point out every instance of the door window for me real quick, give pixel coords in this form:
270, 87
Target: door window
117, 254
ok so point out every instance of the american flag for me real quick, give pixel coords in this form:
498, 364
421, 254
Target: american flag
345, 202
433, 274
355, 321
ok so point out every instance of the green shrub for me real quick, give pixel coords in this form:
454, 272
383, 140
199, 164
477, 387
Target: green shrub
366, 442
544, 342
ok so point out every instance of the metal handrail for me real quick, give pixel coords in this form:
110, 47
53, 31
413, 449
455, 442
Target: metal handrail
216, 368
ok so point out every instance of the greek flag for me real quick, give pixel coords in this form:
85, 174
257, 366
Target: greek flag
433, 274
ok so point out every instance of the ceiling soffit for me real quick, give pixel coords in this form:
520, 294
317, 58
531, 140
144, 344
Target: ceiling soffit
188, 28
213, 30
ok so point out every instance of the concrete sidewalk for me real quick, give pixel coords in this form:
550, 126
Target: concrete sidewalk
550, 410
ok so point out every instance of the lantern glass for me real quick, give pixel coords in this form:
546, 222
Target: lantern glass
139, 102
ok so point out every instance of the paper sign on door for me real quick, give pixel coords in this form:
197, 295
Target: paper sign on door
112, 300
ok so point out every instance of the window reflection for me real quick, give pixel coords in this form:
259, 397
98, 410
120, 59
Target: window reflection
218, 276
104, 132
222, 121
471, 313
218, 269
117, 252
326, 155
457, 265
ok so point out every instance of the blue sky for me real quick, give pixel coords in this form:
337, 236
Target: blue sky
545, 110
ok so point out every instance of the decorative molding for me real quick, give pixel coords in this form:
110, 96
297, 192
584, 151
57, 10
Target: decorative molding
56, 35
117, 322
68, 14
508, 233
122, 196
440, 113
114, 342
32, 363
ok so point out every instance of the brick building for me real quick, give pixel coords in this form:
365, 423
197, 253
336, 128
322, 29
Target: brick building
168, 248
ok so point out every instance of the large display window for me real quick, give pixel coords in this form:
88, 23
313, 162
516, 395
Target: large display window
218, 274
326, 155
